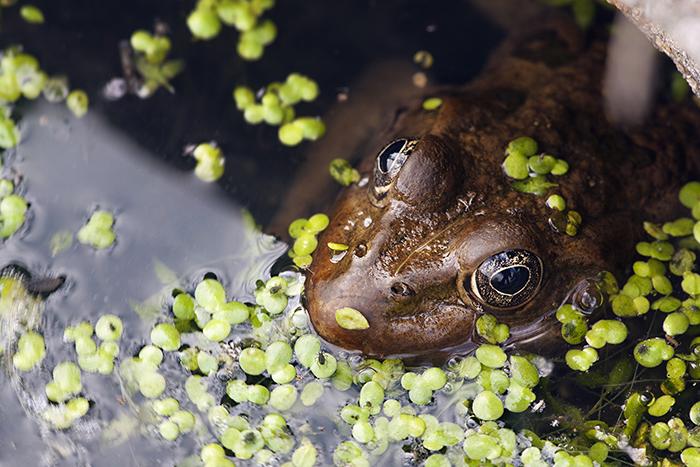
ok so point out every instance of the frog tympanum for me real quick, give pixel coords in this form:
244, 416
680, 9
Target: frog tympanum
437, 235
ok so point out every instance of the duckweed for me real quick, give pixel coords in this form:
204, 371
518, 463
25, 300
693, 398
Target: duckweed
276, 351
283, 397
13, 209
556, 202
31, 350
311, 393
151, 53
206, 20
423, 58
252, 361
523, 145
491, 356
9, 133
676, 323
32, 14
515, 166
92, 358
62, 416
166, 336
343, 173
541, 164
21, 76
350, 318
536, 185
109, 328
652, 352
661, 406
304, 232
210, 162
493, 332
66, 382
581, 360
204, 23
606, 332
487, 406
276, 108
98, 232
78, 102
432, 103
574, 324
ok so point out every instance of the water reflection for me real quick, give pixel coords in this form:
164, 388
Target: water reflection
163, 216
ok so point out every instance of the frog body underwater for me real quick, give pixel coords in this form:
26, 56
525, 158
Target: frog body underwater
438, 236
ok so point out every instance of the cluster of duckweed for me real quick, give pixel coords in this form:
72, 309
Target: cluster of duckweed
175, 421
64, 415
489, 329
13, 209
342, 172
276, 108
254, 378
98, 232
91, 357
21, 76
665, 281
63, 390
522, 163
663, 284
304, 232
30, 351
206, 19
283, 369
530, 171
151, 62
210, 162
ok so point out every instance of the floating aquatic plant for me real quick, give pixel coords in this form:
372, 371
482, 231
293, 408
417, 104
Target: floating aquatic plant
206, 19
276, 108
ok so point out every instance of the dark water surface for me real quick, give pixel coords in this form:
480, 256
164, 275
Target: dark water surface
126, 156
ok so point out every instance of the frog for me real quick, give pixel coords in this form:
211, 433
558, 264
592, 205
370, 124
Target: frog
437, 236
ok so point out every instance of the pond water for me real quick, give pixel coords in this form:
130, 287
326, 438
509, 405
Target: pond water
127, 156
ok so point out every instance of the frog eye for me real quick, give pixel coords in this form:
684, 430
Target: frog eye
391, 158
508, 279
389, 162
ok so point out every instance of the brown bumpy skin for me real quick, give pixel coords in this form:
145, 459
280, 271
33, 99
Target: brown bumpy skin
450, 207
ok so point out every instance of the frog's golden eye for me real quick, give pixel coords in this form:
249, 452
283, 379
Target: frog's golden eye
508, 279
388, 164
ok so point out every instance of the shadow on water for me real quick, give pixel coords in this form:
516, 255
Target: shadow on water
126, 156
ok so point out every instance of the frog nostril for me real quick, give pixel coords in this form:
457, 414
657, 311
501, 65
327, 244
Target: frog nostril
402, 289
